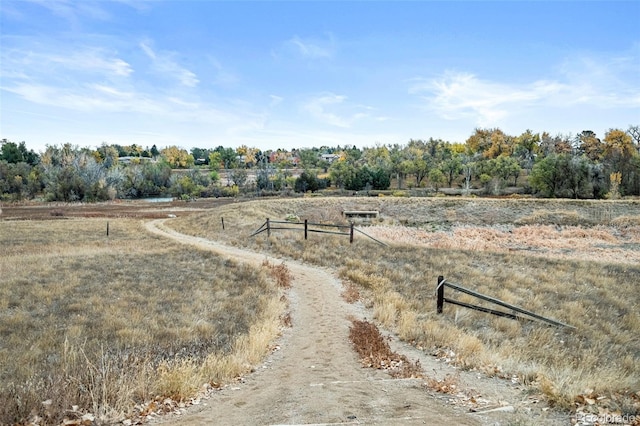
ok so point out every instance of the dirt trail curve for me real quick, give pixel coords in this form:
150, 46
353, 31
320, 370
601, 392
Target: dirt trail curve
315, 378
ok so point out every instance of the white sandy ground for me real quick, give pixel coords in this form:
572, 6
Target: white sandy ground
315, 378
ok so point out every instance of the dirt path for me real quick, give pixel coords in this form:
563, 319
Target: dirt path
316, 378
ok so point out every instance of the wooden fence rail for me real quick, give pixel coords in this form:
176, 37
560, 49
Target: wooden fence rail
440, 301
306, 227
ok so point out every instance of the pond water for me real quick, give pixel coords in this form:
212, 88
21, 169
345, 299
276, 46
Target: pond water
158, 200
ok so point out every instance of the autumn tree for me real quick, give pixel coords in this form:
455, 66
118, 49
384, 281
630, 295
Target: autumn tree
558, 144
589, 145
479, 141
617, 155
215, 161
108, 155
177, 158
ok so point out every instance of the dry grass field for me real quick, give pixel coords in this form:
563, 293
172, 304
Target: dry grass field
575, 261
106, 327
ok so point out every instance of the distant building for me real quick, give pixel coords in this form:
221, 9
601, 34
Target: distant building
329, 158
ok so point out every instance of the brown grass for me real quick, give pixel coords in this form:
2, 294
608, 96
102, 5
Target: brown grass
375, 352
280, 273
107, 323
350, 294
589, 282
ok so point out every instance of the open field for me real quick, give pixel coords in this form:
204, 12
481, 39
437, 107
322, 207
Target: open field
115, 209
108, 325
576, 262
111, 325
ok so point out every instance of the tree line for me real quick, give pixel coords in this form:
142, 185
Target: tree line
580, 166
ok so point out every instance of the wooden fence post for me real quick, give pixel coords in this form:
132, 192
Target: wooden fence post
306, 227
440, 294
351, 233
107, 228
268, 228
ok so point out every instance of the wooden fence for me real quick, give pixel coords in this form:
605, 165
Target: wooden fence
440, 301
308, 227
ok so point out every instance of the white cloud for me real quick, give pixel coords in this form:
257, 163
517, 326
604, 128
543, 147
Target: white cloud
73, 11
312, 48
594, 84
86, 98
164, 63
275, 100
463, 95
337, 111
318, 108
45, 60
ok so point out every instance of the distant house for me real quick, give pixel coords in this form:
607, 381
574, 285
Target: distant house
329, 158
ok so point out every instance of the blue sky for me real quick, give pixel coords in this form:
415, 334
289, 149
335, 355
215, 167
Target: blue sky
294, 74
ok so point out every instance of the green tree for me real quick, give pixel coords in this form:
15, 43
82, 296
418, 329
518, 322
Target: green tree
10, 152
506, 167
229, 157
547, 175
307, 181
342, 173
527, 146
380, 178
451, 168
437, 178
200, 155
576, 175
154, 151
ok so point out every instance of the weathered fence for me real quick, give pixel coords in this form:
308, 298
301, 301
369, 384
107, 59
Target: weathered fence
306, 226
441, 299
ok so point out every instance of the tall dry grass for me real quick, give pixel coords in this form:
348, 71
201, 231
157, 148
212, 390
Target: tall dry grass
101, 325
600, 298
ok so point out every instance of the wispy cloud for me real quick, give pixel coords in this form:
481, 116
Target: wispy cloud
35, 61
463, 95
312, 48
600, 84
332, 109
165, 64
275, 100
74, 11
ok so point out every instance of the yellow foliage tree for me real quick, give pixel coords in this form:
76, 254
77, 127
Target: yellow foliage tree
177, 158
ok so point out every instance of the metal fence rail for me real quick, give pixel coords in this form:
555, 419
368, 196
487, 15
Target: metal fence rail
440, 301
